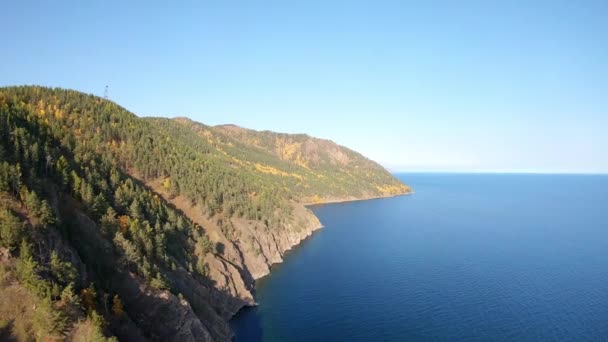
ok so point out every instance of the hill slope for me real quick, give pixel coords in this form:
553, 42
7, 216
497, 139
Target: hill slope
309, 169
171, 220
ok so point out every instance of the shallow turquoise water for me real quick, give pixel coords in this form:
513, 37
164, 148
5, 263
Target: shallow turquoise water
468, 257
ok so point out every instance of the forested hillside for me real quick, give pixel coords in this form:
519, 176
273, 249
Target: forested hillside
309, 169
149, 228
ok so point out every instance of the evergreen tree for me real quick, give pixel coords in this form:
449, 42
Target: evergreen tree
135, 210
63, 271
48, 322
99, 206
11, 230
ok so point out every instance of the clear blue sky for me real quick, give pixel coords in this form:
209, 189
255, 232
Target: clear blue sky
415, 85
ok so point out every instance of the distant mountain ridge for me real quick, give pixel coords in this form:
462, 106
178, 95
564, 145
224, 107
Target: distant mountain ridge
151, 228
325, 170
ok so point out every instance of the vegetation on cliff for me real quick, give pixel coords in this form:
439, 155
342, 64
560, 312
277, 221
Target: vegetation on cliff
111, 224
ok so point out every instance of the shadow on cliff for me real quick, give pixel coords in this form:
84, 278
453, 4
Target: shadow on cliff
247, 325
152, 314
6, 332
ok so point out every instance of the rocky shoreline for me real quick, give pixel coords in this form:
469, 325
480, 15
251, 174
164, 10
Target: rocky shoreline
305, 234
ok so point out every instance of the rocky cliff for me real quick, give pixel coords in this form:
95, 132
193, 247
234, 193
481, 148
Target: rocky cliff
151, 228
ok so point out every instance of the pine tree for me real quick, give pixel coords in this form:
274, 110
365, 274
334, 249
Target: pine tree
63, 271
135, 210
49, 323
70, 302
62, 171
45, 213
76, 183
109, 223
99, 206
11, 230
120, 198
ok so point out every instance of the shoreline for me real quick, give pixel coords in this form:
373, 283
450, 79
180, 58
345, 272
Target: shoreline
316, 229
354, 199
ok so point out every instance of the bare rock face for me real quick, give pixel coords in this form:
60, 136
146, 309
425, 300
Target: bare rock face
260, 247
232, 271
247, 254
162, 314
229, 278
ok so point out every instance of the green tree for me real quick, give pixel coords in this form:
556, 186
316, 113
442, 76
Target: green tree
49, 323
32, 202
99, 206
27, 271
70, 302
109, 222
135, 210
121, 200
204, 245
159, 282
45, 214
62, 169
11, 230
63, 271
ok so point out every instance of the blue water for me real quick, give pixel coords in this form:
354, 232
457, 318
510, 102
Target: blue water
468, 257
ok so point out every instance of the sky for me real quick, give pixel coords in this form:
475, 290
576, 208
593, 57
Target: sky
466, 86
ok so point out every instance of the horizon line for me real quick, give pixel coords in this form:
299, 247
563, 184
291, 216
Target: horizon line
574, 173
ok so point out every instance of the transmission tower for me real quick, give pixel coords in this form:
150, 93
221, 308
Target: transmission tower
105, 93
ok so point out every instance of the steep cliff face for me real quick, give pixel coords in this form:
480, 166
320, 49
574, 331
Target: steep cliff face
247, 249
167, 223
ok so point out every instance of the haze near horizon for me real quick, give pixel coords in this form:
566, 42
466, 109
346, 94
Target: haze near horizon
474, 86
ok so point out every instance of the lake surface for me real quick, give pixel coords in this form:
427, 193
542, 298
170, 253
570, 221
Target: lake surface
468, 257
